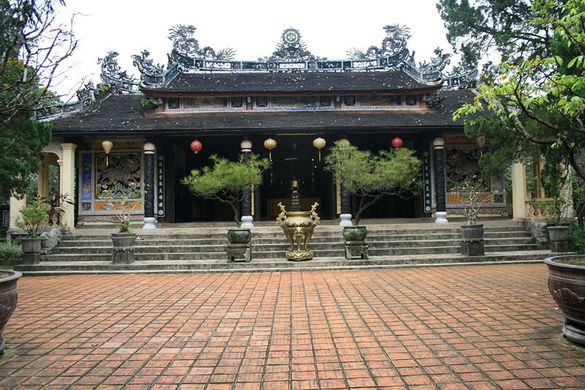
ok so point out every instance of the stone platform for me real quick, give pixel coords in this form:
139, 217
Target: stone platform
203, 248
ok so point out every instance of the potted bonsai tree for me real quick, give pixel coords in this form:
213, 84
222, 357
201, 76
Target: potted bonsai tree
470, 196
34, 217
370, 177
553, 209
123, 240
227, 182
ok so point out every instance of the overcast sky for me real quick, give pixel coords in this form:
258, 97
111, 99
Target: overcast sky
251, 27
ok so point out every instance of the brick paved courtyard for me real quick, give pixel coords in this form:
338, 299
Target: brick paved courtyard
445, 327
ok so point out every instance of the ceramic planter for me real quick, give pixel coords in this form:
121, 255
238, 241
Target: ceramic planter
566, 283
472, 240
239, 248
355, 242
559, 238
239, 236
8, 300
123, 248
355, 233
31, 247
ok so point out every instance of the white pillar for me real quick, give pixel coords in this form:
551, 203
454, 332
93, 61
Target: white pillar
519, 209
68, 183
15, 206
43, 181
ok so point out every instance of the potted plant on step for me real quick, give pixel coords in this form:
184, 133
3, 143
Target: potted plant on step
470, 196
371, 177
122, 241
229, 182
34, 217
553, 209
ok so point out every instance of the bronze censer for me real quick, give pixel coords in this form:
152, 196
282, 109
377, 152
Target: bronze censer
298, 228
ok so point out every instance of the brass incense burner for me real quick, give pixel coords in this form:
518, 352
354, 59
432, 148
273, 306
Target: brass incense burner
298, 228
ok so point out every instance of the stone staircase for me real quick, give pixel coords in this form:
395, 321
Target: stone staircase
204, 248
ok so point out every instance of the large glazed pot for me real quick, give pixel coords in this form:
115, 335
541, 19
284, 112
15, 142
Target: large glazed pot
8, 300
123, 248
355, 233
472, 240
559, 238
31, 248
566, 283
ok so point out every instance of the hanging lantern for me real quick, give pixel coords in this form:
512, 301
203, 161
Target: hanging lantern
397, 142
196, 146
107, 146
270, 144
319, 143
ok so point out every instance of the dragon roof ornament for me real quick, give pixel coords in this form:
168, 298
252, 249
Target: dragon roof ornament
291, 55
186, 47
113, 77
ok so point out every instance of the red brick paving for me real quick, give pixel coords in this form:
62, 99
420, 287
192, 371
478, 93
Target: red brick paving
475, 327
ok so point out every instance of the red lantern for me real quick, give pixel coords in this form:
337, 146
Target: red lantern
397, 142
196, 146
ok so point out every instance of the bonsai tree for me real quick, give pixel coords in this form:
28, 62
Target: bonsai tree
227, 180
122, 216
35, 216
470, 196
371, 177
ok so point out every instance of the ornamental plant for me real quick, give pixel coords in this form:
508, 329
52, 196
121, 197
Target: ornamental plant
227, 181
370, 176
34, 217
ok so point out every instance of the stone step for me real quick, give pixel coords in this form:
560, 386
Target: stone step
157, 241
55, 267
174, 247
276, 233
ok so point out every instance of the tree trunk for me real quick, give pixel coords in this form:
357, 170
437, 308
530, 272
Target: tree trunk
364, 207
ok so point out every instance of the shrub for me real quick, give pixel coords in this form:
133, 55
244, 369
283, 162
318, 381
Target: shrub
9, 253
577, 237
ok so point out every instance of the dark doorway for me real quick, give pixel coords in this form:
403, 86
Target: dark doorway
295, 158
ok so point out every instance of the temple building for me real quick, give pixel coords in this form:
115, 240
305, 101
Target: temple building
133, 140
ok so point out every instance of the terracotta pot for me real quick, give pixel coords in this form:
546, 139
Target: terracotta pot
355, 233
239, 236
8, 300
31, 248
567, 287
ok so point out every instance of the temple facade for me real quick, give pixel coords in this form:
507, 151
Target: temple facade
128, 143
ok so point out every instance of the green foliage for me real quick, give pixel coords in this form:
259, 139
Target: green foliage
31, 49
10, 254
370, 177
577, 237
35, 216
227, 180
534, 101
125, 226
147, 104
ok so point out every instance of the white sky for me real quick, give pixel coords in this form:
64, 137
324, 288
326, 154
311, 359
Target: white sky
251, 27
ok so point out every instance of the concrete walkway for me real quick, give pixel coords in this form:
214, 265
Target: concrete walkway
476, 327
